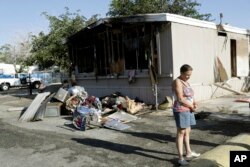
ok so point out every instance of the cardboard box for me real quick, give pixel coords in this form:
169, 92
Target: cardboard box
61, 95
53, 109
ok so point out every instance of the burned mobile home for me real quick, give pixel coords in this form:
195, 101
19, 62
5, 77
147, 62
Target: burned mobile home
140, 56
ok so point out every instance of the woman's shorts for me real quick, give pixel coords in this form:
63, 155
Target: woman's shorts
184, 119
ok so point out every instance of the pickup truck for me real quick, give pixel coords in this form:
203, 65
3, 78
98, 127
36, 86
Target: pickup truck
9, 80
35, 79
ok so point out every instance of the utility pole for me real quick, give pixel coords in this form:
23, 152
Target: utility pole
14, 54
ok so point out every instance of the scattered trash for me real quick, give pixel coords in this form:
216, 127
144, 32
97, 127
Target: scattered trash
166, 104
114, 124
133, 107
62, 95
53, 109
122, 116
87, 111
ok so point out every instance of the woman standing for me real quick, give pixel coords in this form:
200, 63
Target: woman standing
183, 109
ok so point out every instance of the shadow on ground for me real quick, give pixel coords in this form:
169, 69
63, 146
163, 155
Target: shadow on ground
223, 127
122, 148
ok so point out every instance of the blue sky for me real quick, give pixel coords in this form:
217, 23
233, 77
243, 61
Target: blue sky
19, 17
235, 12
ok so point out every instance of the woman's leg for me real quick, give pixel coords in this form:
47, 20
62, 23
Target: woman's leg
179, 141
187, 141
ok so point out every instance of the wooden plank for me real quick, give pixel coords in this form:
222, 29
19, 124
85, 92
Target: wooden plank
228, 89
222, 71
29, 114
17, 109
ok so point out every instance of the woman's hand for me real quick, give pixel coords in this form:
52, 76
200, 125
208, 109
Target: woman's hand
195, 105
193, 109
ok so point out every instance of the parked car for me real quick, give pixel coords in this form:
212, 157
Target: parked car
9, 80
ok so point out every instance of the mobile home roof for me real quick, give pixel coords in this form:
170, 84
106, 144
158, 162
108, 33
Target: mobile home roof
164, 17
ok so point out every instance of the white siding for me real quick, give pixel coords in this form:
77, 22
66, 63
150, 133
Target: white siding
199, 47
195, 46
141, 88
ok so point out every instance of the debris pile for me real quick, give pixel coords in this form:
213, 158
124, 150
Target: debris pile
87, 111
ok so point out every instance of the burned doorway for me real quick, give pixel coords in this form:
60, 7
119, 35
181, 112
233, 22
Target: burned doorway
233, 58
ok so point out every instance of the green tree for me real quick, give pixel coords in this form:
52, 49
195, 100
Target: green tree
40, 52
132, 7
51, 49
187, 8
6, 54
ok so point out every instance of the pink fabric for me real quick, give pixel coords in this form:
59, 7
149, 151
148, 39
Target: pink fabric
188, 94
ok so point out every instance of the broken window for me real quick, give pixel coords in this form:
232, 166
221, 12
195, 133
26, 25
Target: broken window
115, 49
136, 47
85, 59
101, 55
